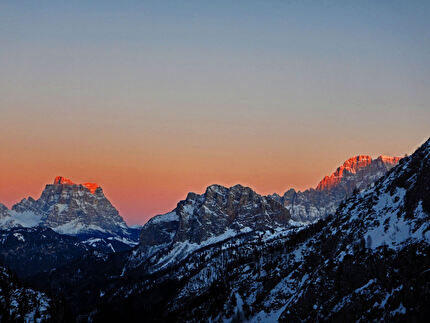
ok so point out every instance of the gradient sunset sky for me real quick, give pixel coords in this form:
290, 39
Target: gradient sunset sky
153, 99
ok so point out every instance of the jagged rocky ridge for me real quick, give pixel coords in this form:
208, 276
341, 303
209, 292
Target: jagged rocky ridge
80, 210
241, 270
201, 220
223, 212
358, 172
367, 262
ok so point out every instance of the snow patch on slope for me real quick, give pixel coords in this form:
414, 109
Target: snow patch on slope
75, 227
23, 219
168, 217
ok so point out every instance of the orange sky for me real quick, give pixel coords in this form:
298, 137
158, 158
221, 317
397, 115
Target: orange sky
153, 99
143, 182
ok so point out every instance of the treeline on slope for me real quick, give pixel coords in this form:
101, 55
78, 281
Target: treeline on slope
155, 303
20, 303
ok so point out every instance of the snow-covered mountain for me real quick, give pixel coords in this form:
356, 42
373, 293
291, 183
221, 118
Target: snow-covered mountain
205, 219
367, 262
73, 209
221, 212
356, 173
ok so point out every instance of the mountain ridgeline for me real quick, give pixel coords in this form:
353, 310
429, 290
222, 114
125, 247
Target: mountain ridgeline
368, 261
355, 248
223, 212
358, 172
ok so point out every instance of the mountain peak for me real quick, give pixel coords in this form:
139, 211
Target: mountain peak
356, 162
63, 181
389, 159
352, 166
60, 180
91, 187
72, 208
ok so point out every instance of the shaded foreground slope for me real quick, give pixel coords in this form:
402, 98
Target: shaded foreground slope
369, 261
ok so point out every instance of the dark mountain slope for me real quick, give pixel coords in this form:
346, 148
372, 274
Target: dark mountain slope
368, 262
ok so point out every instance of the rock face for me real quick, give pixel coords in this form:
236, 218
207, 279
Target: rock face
221, 212
219, 209
231, 255
356, 173
379, 251
72, 209
367, 262
361, 170
351, 166
200, 220
4, 211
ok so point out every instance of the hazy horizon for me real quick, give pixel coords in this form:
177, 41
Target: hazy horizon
143, 220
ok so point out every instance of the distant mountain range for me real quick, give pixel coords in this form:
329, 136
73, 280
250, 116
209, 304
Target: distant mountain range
83, 211
221, 212
231, 255
355, 248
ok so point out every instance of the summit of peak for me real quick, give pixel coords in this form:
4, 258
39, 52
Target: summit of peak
389, 159
214, 189
353, 165
62, 180
91, 186
223, 189
357, 161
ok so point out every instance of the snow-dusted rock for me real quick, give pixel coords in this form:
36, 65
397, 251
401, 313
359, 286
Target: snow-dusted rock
68, 208
358, 172
367, 262
72, 209
200, 220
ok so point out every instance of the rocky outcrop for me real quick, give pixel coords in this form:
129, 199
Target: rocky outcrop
367, 262
363, 167
351, 166
4, 211
358, 172
220, 208
375, 266
60, 180
221, 212
199, 220
73, 209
